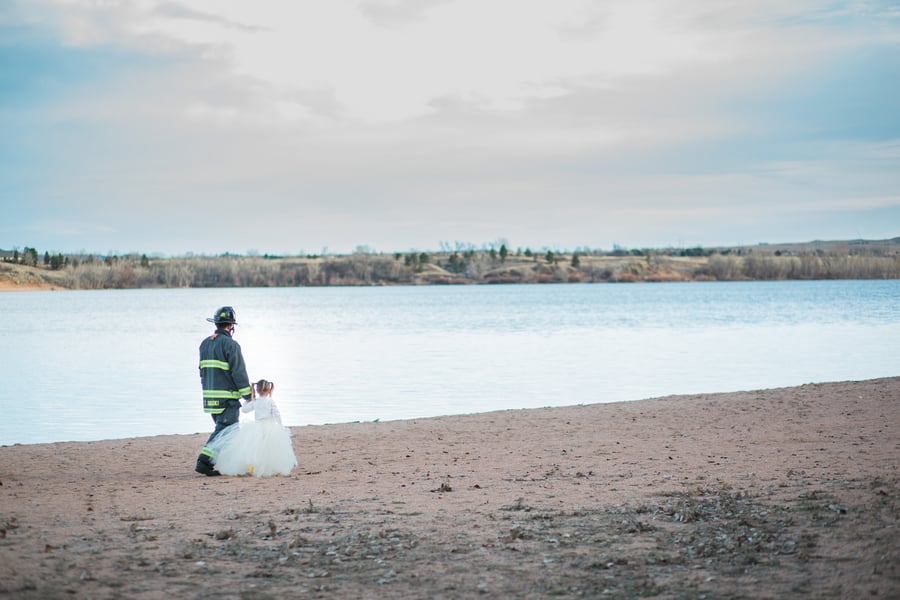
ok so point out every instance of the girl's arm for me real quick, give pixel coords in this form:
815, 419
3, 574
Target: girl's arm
276, 413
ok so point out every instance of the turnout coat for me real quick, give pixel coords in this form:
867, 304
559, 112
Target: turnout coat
223, 373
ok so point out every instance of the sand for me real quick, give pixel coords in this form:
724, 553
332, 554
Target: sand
781, 493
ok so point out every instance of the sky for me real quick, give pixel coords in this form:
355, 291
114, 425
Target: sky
204, 127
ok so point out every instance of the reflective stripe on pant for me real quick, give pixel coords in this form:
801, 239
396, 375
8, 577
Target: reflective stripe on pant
227, 417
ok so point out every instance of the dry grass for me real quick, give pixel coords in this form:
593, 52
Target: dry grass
15, 277
757, 263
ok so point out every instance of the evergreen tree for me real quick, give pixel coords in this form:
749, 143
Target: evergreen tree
30, 258
457, 264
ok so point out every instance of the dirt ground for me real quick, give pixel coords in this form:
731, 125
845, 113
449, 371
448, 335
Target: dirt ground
782, 493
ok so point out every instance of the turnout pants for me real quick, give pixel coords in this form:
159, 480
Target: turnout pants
227, 417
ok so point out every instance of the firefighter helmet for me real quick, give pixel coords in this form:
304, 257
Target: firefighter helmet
223, 315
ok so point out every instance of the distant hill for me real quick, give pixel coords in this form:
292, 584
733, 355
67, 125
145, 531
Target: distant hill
856, 246
831, 246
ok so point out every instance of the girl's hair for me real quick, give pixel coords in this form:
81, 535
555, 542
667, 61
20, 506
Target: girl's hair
264, 387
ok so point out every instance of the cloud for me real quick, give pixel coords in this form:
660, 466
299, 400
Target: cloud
172, 10
390, 13
400, 124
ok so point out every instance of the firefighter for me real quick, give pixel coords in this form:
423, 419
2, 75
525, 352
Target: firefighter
223, 376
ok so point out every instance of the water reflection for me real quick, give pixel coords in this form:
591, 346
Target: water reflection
107, 364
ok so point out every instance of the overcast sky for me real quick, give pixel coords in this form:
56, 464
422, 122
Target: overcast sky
298, 126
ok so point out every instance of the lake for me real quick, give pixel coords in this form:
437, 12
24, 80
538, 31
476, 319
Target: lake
88, 365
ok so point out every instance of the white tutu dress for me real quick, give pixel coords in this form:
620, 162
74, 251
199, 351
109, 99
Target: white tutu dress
260, 448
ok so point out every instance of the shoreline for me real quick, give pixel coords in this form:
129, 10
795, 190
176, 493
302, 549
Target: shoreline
9, 286
784, 492
298, 429
497, 412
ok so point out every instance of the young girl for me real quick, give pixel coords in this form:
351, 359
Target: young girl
259, 448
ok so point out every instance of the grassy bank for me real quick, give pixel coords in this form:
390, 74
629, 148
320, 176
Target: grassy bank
817, 260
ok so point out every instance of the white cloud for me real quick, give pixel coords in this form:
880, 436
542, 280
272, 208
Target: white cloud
393, 13
499, 54
314, 60
444, 117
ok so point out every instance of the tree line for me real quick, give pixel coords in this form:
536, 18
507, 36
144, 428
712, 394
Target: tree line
460, 266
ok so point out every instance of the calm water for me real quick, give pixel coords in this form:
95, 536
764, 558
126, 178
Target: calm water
111, 364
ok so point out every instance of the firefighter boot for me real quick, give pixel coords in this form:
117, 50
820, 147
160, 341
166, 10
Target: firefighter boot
205, 467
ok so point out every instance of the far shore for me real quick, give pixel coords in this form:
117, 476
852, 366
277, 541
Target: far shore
851, 259
778, 493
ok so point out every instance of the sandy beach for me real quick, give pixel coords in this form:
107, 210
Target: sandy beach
781, 493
